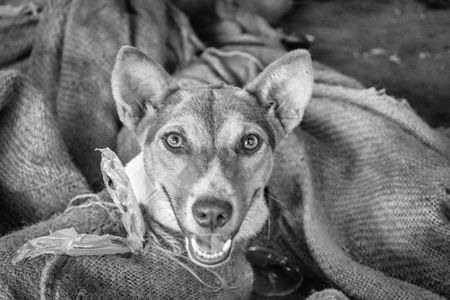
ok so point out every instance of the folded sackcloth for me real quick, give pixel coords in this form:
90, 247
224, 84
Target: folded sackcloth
368, 199
37, 176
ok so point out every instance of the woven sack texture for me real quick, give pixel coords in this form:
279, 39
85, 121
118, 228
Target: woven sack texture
151, 274
328, 294
384, 193
37, 177
373, 179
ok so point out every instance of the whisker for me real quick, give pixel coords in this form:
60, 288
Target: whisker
149, 197
276, 200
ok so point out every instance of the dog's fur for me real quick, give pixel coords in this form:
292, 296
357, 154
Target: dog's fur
212, 171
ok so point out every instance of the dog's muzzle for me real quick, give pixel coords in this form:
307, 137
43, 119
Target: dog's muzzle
210, 249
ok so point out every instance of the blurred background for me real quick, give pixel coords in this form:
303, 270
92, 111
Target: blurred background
402, 46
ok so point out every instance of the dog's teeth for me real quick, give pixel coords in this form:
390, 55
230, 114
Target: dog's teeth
227, 246
195, 245
210, 255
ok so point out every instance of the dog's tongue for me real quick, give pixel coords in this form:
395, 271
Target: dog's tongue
212, 243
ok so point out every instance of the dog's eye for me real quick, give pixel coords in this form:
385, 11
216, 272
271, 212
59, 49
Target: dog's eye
251, 143
174, 140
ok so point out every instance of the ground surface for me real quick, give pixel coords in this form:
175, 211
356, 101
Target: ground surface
399, 45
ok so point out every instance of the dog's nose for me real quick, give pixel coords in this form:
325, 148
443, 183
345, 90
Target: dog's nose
212, 213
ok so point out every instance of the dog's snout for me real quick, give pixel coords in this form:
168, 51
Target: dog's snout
212, 213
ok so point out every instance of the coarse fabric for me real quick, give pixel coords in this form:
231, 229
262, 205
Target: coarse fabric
37, 176
373, 179
328, 294
378, 207
153, 273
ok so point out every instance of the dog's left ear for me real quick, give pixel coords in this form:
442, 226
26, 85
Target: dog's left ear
285, 88
139, 85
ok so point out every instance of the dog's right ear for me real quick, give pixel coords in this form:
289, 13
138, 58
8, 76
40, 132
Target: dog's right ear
285, 88
139, 86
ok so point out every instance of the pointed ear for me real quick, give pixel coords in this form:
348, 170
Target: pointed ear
285, 88
139, 86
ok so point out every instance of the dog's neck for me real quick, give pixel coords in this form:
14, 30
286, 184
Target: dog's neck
145, 188
140, 182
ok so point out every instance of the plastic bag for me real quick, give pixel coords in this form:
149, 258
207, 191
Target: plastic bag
68, 241
119, 187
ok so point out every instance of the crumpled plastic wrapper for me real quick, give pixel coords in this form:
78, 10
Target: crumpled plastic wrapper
119, 187
68, 241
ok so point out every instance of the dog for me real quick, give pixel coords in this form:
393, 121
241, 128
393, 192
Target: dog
207, 151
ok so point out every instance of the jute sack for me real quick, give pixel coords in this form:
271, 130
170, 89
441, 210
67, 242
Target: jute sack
37, 177
154, 273
370, 197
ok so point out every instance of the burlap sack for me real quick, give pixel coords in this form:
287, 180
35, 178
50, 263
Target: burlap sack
372, 178
328, 294
154, 273
37, 177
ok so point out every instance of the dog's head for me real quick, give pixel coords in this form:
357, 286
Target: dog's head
207, 151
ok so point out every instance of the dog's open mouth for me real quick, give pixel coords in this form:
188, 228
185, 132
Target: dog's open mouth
209, 249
